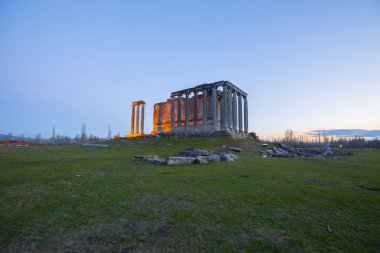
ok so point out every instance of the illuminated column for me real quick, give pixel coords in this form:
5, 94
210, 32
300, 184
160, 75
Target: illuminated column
137, 119
172, 115
204, 108
133, 120
245, 115
230, 108
179, 113
240, 114
142, 119
213, 108
159, 120
195, 109
234, 107
225, 108
187, 111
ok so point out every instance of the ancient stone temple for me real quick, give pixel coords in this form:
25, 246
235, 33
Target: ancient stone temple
218, 107
137, 119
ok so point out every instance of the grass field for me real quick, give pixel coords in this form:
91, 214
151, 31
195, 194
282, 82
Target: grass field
78, 199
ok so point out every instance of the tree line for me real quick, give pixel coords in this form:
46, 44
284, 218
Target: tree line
308, 141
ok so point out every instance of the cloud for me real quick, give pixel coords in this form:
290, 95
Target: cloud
347, 133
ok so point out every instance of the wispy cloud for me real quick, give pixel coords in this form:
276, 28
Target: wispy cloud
347, 133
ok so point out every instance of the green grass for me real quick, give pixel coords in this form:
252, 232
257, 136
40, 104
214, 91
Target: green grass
78, 199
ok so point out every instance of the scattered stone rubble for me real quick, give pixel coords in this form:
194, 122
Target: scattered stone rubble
285, 150
192, 156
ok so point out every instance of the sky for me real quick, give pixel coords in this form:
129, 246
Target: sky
305, 65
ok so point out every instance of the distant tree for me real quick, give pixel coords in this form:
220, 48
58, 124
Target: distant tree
63, 139
53, 138
84, 134
109, 133
10, 136
77, 139
289, 135
38, 139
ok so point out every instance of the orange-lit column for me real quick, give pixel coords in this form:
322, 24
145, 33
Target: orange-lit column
172, 115
133, 120
137, 118
179, 113
187, 111
159, 120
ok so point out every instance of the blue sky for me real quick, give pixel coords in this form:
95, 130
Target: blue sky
305, 65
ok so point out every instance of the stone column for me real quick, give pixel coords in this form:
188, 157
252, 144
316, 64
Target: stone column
172, 116
234, 111
225, 108
205, 108
229, 98
179, 113
133, 120
240, 114
159, 120
137, 119
213, 108
195, 109
142, 119
187, 111
245, 115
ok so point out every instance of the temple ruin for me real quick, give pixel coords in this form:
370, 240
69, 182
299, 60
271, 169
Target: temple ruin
218, 107
137, 121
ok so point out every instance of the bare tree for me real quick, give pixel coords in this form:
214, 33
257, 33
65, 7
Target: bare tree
109, 132
84, 134
289, 136
38, 139
53, 138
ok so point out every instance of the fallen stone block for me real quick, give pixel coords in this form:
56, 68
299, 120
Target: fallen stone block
214, 158
226, 158
235, 149
201, 160
144, 157
173, 160
233, 156
158, 160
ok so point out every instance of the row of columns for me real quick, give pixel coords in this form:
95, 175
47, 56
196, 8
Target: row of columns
137, 123
231, 110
